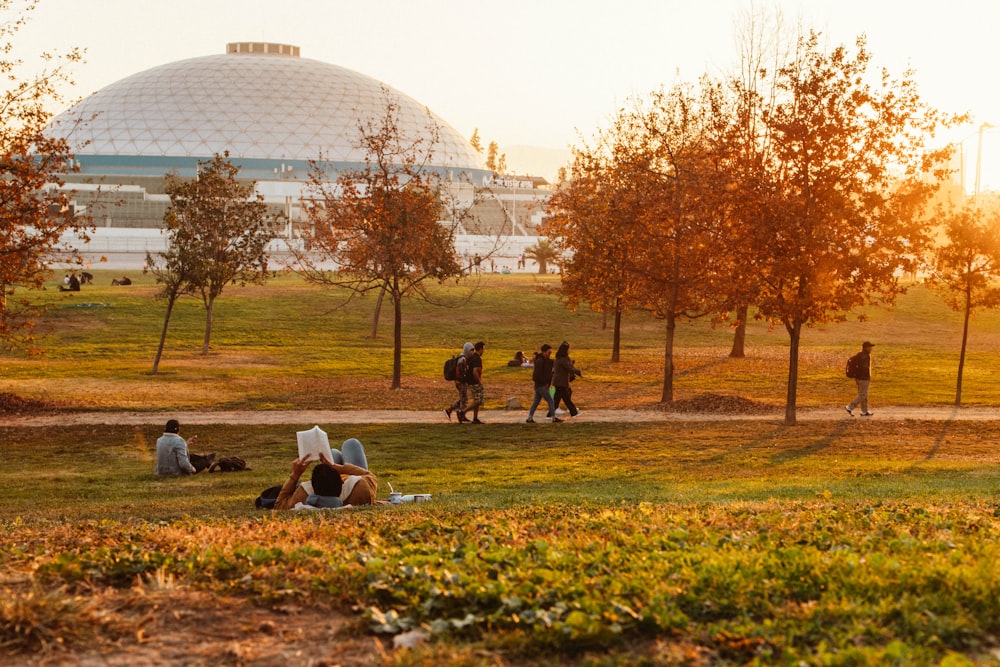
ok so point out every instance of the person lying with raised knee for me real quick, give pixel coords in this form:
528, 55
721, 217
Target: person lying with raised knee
340, 483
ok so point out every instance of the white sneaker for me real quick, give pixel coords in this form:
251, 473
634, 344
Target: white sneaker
849, 411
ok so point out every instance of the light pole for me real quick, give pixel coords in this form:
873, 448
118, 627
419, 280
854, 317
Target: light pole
979, 155
285, 173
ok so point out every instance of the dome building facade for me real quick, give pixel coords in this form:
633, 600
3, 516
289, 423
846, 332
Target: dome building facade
261, 102
273, 111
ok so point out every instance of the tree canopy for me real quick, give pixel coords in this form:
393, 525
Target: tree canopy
380, 225
836, 204
965, 267
801, 188
217, 233
36, 214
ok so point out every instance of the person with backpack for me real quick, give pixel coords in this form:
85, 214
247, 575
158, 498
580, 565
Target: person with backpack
541, 376
461, 372
859, 367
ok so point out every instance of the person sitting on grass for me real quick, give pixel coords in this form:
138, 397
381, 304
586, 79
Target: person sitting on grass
172, 451
345, 481
518, 360
70, 284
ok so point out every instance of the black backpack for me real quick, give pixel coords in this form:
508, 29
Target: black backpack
267, 497
451, 367
852, 366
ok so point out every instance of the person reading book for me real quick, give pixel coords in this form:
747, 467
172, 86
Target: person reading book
339, 480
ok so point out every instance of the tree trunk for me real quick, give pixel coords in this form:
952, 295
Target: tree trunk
965, 340
616, 344
378, 313
740, 333
794, 338
397, 340
668, 360
209, 309
163, 335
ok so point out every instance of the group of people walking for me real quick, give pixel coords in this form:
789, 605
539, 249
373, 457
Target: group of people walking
555, 373
551, 379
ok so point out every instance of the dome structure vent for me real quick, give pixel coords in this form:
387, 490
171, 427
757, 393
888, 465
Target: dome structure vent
262, 49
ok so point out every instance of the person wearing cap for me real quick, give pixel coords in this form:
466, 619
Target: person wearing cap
461, 385
172, 451
863, 378
542, 378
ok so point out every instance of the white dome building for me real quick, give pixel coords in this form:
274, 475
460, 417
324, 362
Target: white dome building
260, 102
274, 113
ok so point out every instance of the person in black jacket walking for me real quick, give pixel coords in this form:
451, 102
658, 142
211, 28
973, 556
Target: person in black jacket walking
542, 379
863, 378
563, 372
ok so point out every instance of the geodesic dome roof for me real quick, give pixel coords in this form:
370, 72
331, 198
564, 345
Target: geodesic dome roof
260, 102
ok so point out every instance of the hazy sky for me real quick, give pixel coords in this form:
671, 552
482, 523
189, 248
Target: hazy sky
537, 73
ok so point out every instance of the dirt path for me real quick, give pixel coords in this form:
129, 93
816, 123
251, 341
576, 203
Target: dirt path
308, 417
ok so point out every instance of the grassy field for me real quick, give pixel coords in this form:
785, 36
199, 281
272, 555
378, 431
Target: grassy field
291, 346
710, 542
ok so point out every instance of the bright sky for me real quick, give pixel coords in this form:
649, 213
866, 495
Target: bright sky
540, 72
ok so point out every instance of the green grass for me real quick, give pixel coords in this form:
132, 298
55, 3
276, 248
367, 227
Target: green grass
100, 345
842, 542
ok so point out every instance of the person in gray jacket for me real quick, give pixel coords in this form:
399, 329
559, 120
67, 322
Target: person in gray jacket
172, 451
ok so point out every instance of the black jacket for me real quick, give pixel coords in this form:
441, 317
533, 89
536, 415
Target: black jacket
542, 375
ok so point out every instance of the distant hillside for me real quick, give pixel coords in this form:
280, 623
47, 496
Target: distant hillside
536, 161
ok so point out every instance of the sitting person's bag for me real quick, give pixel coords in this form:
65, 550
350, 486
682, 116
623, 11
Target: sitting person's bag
229, 464
201, 461
267, 497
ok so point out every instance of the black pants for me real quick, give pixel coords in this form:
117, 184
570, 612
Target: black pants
565, 394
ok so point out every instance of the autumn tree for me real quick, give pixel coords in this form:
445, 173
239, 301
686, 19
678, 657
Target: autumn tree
495, 160
838, 195
678, 256
763, 44
475, 141
218, 231
380, 224
965, 268
587, 223
639, 220
174, 279
36, 214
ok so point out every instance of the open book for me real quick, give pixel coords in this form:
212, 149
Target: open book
312, 443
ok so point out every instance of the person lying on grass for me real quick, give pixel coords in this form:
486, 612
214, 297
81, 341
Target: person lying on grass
344, 481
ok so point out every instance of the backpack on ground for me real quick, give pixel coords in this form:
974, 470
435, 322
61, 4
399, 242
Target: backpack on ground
267, 498
229, 464
853, 366
453, 367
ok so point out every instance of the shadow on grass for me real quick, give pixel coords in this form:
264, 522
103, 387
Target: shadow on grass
809, 448
939, 440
